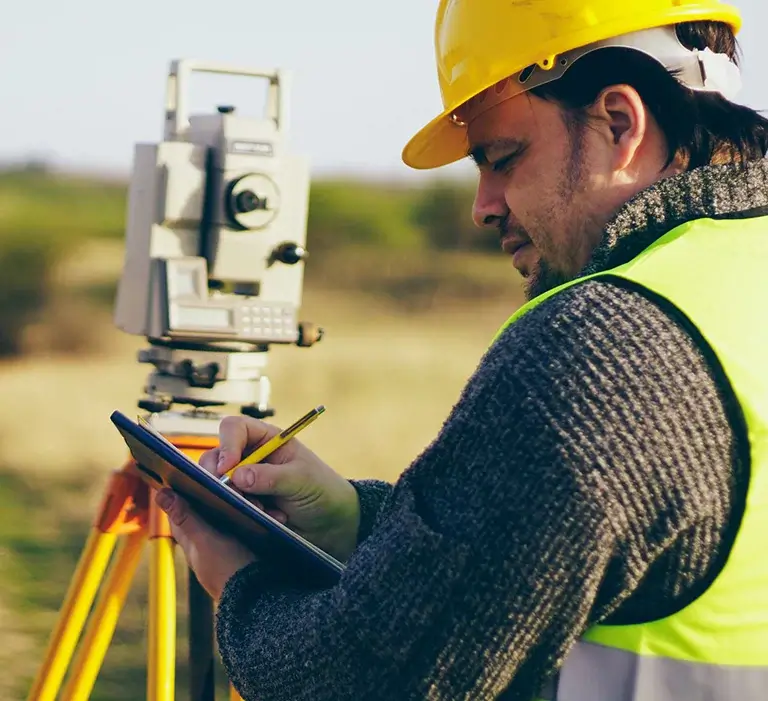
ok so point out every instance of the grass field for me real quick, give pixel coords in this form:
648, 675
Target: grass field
389, 369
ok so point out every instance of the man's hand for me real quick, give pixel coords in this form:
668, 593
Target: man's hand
213, 557
293, 485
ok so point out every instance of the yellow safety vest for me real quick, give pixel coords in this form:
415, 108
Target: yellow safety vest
715, 272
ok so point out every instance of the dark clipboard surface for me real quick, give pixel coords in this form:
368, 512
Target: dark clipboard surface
163, 465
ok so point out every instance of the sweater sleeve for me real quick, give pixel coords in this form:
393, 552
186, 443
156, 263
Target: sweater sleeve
529, 517
372, 495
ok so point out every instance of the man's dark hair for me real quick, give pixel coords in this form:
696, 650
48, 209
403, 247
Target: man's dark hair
700, 128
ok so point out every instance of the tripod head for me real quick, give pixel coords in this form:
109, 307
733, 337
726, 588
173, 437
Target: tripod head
215, 248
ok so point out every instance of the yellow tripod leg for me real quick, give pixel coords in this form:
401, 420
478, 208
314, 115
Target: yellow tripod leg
161, 675
122, 512
201, 639
101, 628
74, 612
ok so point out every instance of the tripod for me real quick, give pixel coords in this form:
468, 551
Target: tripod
127, 520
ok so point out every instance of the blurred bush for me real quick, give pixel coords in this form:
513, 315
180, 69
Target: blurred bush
27, 259
62, 206
443, 212
44, 217
349, 213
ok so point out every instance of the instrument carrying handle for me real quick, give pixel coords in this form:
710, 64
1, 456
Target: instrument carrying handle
177, 89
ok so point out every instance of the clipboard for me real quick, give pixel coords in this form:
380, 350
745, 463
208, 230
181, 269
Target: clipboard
161, 465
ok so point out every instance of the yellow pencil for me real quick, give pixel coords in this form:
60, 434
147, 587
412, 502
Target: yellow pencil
276, 442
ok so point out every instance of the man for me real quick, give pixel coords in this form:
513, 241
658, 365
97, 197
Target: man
589, 524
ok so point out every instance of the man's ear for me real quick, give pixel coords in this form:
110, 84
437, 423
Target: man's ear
621, 119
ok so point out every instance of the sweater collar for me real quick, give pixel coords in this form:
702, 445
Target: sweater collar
708, 192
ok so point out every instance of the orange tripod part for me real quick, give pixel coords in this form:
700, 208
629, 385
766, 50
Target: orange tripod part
125, 505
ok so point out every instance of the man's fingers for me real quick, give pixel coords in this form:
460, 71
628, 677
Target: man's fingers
179, 514
209, 460
279, 516
236, 433
276, 514
258, 504
184, 524
267, 479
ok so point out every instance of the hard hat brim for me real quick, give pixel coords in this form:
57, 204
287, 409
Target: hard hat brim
439, 143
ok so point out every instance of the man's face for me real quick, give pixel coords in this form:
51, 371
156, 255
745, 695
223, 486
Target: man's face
541, 187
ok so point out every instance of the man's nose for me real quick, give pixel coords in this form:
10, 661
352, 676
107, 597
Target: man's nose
490, 208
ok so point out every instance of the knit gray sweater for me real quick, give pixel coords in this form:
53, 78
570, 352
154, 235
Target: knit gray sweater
591, 471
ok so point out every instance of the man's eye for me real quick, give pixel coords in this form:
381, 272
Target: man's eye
504, 163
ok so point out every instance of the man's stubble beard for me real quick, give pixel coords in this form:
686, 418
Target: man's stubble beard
545, 276
543, 279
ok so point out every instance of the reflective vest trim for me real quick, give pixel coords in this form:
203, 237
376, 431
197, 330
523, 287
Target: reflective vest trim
600, 673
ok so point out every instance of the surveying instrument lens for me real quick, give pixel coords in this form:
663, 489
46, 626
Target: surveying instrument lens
248, 201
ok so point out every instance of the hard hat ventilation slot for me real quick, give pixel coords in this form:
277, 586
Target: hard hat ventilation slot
526, 73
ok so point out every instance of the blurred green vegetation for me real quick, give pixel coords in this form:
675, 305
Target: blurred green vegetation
363, 236
43, 218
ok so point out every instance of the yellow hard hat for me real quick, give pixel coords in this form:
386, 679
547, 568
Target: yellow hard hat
516, 45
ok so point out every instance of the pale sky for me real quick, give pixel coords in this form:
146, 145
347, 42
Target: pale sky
83, 80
